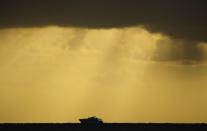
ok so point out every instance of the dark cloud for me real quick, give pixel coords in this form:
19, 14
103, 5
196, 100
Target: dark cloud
182, 19
181, 51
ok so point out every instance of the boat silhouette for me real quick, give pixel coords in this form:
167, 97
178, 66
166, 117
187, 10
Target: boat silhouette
91, 120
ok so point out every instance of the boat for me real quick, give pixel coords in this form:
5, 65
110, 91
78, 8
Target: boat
91, 120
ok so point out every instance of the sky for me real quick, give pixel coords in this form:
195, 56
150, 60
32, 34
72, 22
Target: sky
127, 61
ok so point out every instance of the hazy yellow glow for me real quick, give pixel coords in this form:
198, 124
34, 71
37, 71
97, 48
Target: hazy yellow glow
56, 74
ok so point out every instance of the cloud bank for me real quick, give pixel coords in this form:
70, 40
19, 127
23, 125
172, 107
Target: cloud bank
179, 19
135, 43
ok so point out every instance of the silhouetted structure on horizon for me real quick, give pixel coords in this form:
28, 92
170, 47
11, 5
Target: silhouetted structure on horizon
91, 120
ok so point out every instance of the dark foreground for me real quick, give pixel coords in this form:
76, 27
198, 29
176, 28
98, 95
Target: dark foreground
105, 127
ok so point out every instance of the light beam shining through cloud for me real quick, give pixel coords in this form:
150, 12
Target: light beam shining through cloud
60, 74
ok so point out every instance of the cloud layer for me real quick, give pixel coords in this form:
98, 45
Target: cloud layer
178, 19
133, 43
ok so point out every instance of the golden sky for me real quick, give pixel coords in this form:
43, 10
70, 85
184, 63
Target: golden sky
61, 74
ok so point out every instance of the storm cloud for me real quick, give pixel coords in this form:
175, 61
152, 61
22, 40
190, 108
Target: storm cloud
143, 60
177, 19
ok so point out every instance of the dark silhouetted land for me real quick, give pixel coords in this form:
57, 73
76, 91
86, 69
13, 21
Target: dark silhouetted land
104, 126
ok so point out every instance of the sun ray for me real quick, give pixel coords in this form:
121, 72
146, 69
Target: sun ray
61, 74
